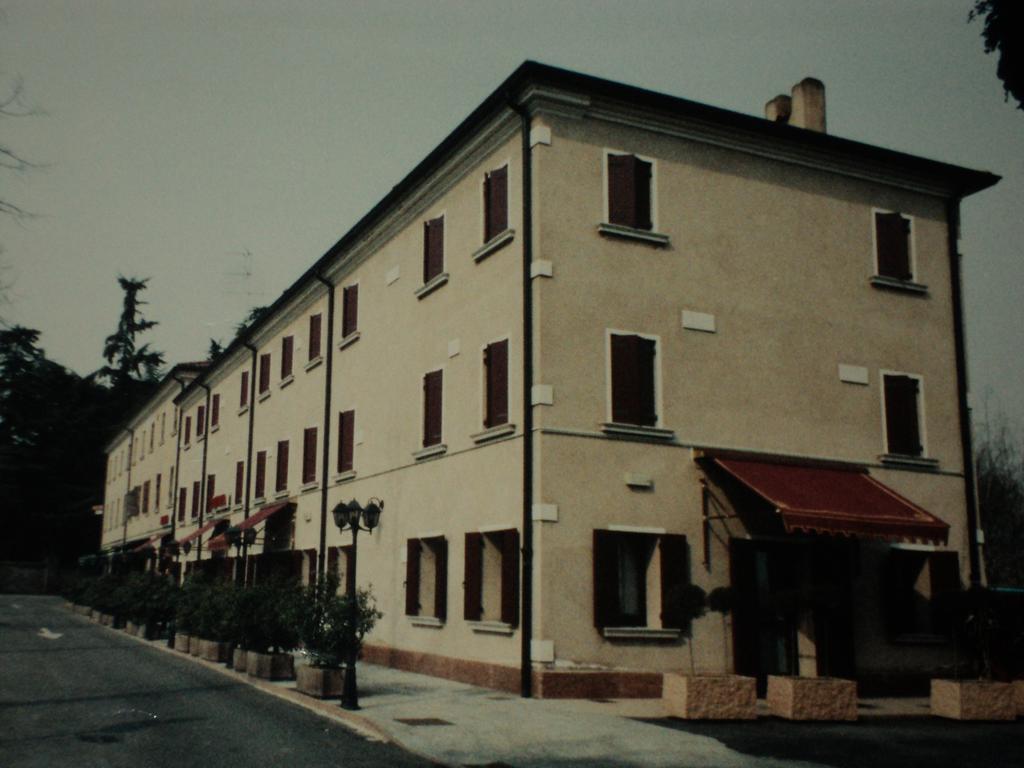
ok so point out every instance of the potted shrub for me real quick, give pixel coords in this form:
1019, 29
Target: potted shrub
977, 697
707, 696
186, 612
212, 621
244, 630
277, 612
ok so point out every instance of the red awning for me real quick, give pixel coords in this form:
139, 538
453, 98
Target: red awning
836, 500
221, 541
198, 532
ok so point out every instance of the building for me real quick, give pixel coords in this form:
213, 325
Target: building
602, 343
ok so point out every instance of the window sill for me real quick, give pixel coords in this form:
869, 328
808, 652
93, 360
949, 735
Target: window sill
491, 627
431, 285
285, 381
430, 451
903, 460
426, 621
895, 284
263, 396
313, 363
493, 433
199, 439
349, 340
243, 410
641, 633
920, 638
281, 494
307, 487
259, 500
632, 233
186, 446
215, 428
344, 477
495, 243
637, 430
237, 507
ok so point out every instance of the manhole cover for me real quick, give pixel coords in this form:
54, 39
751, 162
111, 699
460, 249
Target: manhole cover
422, 721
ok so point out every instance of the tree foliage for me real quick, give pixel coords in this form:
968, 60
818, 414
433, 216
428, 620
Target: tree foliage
1000, 462
254, 315
1003, 31
129, 363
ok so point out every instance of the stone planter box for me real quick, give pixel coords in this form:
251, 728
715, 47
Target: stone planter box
270, 666
710, 697
238, 661
134, 629
212, 650
320, 682
106, 620
182, 642
1018, 695
193, 646
973, 700
93, 614
812, 698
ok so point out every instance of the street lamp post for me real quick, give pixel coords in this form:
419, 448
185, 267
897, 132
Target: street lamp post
355, 518
241, 541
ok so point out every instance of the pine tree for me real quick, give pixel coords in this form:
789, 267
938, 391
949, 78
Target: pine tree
127, 363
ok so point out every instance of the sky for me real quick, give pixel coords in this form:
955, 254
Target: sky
218, 148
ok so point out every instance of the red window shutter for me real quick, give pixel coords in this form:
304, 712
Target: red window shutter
215, 411
642, 180
239, 481
433, 248
892, 240
346, 440
282, 466
211, 482
243, 395
261, 474
633, 397
200, 420
495, 203
621, 190
441, 578
188, 429
606, 581
156, 494
472, 608
510, 577
901, 420
145, 498
432, 400
350, 310
182, 501
674, 576
287, 350
314, 336
412, 577
264, 372
309, 455
195, 498
350, 574
496, 362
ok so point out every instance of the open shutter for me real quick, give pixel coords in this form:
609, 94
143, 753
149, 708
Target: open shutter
314, 336
287, 350
433, 248
496, 203
642, 181
674, 576
510, 577
441, 578
901, 421
412, 577
497, 383
892, 238
350, 311
605, 579
621, 190
350, 573
432, 384
472, 586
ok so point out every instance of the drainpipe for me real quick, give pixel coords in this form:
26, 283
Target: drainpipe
203, 500
248, 453
321, 560
970, 491
177, 471
526, 663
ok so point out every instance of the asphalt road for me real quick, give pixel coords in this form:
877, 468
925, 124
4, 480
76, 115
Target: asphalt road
73, 693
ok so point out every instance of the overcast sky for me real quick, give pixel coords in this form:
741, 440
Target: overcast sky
176, 137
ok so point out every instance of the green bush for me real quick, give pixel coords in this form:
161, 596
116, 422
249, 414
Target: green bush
189, 601
331, 624
212, 618
278, 613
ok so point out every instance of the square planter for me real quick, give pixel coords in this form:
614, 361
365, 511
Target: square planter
212, 650
710, 697
182, 642
270, 666
133, 629
812, 698
973, 700
238, 661
1018, 695
193, 645
320, 682
106, 620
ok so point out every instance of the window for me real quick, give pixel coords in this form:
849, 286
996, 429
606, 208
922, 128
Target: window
195, 498
314, 336
433, 248
496, 384
308, 456
145, 498
892, 245
264, 373
426, 577
211, 483
916, 590
349, 310
281, 481
188, 429
243, 394
339, 560
239, 481
629, 191
152, 435
200, 420
495, 203
215, 411
492, 577
633, 380
432, 391
638, 578
287, 346
182, 501
902, 415
156, 494
163, 426
261, 474
346, 440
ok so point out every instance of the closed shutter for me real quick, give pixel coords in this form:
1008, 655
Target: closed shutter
350, 572
346, 440
892, 238
239, 481
901, 421
621, 190
200, 420
211, 482
441, 578
243, 395
215, 411
282, 466
182, 501
156, 495
496, 362
495, 203
350, 310
510, 578
944, 574
264, 373
261, 474
188, 429
432, 392
287, 350
674, 576
633, 397
606, 580
433, 248
642, 180
472, 586
412, 577
195, 498
314, 336
309, 455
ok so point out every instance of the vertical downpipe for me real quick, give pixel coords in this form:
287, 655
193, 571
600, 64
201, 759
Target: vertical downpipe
321, 560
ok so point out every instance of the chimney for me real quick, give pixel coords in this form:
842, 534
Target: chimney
808, 105
777, 110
